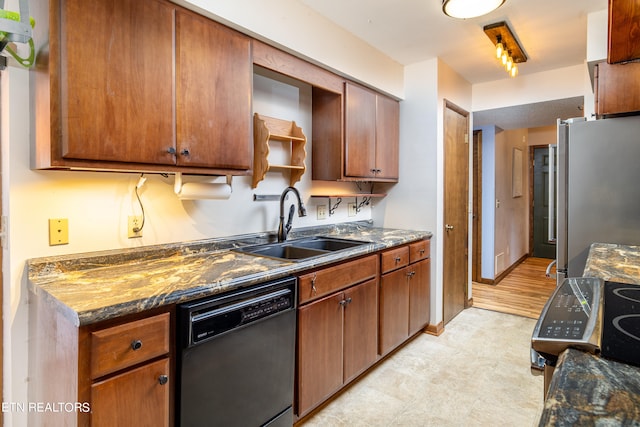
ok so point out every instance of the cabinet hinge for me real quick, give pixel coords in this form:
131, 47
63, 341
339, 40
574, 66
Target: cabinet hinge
466, 138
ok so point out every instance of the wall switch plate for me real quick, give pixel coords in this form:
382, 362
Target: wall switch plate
322, 211
134, 223
58, 231
351, 208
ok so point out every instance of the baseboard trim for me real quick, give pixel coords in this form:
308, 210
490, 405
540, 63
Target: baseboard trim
436, 330
511, 268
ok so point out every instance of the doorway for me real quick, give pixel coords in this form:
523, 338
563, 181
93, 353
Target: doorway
541, 245
456, 196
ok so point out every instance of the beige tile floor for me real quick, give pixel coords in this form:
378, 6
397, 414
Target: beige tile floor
475, 374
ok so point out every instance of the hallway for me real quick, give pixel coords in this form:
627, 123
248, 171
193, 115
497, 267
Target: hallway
523, 292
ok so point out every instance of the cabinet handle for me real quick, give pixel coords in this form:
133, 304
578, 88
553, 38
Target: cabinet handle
398, 259
171, 150
136, 345
313, 283
163, 379
345, 302
185, 152
422, 251
448, 227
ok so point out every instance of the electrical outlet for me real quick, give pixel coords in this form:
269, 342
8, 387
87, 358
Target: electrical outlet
351, 209
135, 222
58, 231
322, 211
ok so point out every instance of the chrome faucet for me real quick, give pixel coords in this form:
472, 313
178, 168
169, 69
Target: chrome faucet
283, 229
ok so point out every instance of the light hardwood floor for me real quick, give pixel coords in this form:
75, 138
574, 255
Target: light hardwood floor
523, 292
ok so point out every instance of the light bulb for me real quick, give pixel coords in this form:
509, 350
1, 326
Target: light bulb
514, 71
499, 50
504, 58
509, 63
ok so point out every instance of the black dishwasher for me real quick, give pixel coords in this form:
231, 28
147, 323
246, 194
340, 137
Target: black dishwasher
237, 356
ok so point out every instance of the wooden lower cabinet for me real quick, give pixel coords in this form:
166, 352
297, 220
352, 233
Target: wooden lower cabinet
337, 340
394, 309
404, 294
139, 397
419, 293
118, 372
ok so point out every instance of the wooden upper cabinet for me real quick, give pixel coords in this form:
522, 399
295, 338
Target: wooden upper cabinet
371, 136
213, 89
387, 138
140, 86
616, 89
624, 31
360, 132
115, 80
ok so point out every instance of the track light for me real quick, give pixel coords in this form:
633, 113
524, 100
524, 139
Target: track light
508, 50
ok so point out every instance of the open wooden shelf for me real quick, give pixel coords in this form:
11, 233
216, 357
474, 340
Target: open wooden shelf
268, 129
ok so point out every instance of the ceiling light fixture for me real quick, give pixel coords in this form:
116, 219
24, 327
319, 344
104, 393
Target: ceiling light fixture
465, 9
508, 50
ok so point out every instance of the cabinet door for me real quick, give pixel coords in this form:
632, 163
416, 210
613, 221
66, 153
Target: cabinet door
394, 309
320, 327
116, 73
360, 328
213, 91
624, 21
360, 131
616, 88
135, 398
387, 138
419, 288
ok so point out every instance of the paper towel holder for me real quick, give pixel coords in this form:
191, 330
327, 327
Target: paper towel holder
177, 185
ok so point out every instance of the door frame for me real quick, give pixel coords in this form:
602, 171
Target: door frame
476, 233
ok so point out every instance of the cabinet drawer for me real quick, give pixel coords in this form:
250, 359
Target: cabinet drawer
395, 258
125, 345
323, 282
419, 251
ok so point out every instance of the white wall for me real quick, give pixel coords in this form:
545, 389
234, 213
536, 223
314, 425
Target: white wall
417, 200
527, 89
488, 226
412, 203
511, 212
303, 32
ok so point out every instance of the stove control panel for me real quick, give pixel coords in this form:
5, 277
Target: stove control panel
570, 318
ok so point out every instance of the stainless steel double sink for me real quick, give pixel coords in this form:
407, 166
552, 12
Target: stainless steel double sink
301, 249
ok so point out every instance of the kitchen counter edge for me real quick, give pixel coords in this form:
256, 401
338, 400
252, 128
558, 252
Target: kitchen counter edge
96, 286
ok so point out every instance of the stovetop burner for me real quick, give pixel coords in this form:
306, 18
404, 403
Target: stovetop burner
621, 329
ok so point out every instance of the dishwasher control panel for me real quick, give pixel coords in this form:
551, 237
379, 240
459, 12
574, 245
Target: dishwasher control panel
218, 315
570, 317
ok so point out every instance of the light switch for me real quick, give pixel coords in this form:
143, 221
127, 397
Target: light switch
58, 231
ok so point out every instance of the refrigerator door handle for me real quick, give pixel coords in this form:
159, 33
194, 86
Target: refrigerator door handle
549, 267
561, 200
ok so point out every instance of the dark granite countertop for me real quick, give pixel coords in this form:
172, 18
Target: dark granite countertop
95, 286
616, 263
587, 389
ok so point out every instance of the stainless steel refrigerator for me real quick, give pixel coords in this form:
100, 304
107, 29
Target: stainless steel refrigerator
597, 189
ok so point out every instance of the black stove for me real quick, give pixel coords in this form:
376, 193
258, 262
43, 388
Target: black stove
621, 323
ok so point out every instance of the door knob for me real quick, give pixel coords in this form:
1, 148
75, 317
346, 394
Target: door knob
448, 227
